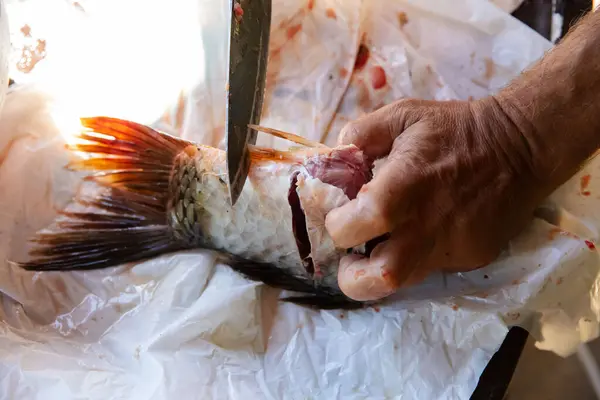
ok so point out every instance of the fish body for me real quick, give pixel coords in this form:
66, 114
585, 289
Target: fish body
161, 194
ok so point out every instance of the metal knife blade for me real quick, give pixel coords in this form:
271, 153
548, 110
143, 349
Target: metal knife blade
248, 51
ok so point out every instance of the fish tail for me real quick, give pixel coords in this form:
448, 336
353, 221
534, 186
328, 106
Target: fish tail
128, 220
131, 216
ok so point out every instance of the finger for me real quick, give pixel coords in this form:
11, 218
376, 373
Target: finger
393, 264
381, 204
375, 132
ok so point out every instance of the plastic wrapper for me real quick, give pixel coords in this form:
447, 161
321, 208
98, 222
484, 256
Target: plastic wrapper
182, 326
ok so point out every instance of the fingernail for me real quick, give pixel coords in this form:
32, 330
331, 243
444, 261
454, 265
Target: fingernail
362, 281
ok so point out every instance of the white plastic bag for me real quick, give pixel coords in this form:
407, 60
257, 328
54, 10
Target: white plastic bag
180, 326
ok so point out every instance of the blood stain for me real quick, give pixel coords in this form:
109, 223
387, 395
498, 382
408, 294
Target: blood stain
584, 183
311, 4
402, 19
516, 282
559, 281
330, 13
26, 30
359, 273
378, 78
293, 30
238, 11
490, 68
361, 57
343, 72
590, 245
455, 307
377, 309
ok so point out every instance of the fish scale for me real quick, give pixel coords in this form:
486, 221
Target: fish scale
176, 197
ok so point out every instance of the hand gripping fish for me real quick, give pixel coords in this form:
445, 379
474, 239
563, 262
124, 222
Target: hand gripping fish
162, 194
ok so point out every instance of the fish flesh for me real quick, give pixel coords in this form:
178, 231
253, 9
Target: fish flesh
161, 194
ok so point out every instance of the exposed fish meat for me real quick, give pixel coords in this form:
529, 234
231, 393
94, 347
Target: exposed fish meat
163, 194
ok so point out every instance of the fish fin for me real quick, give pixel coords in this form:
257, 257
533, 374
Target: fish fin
288, 136
311, 296
127, 221
294, 155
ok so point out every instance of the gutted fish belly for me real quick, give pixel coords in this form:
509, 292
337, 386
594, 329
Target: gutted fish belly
163, 194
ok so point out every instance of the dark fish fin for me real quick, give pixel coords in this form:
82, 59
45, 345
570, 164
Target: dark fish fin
311, 296
126, 222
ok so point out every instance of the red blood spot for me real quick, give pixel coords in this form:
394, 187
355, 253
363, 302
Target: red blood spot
402, 19
559, 281
585, 182
359, 273
590, 245
330, 13
343, 72
455, 307
311, 4
515, 282
238, 11
293, 30
377, 309
361, 57
342, 316
26, 30
378, 78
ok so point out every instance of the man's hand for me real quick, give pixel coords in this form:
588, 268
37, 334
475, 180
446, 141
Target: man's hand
457, 184
462, 178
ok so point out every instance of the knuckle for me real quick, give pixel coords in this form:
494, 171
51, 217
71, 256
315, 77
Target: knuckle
350, 133
397, 116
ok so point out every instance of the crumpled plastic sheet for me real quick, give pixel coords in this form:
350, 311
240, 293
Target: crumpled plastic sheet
182, 326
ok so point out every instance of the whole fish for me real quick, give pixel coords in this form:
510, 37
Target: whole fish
163, 194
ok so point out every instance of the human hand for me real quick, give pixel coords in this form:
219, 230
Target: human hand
458, 183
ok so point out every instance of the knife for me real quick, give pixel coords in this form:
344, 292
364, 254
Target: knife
248, 51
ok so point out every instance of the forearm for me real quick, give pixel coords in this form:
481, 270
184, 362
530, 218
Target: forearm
556, 104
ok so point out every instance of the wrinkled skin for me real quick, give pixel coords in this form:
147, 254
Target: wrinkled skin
457, 184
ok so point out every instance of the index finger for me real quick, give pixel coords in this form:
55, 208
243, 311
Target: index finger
381, 204
375, 133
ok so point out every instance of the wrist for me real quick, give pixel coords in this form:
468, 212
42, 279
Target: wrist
504, 133
554, 150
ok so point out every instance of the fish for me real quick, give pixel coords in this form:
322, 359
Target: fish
160, 194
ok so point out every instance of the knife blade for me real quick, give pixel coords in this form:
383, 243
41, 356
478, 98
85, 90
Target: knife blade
248, 51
